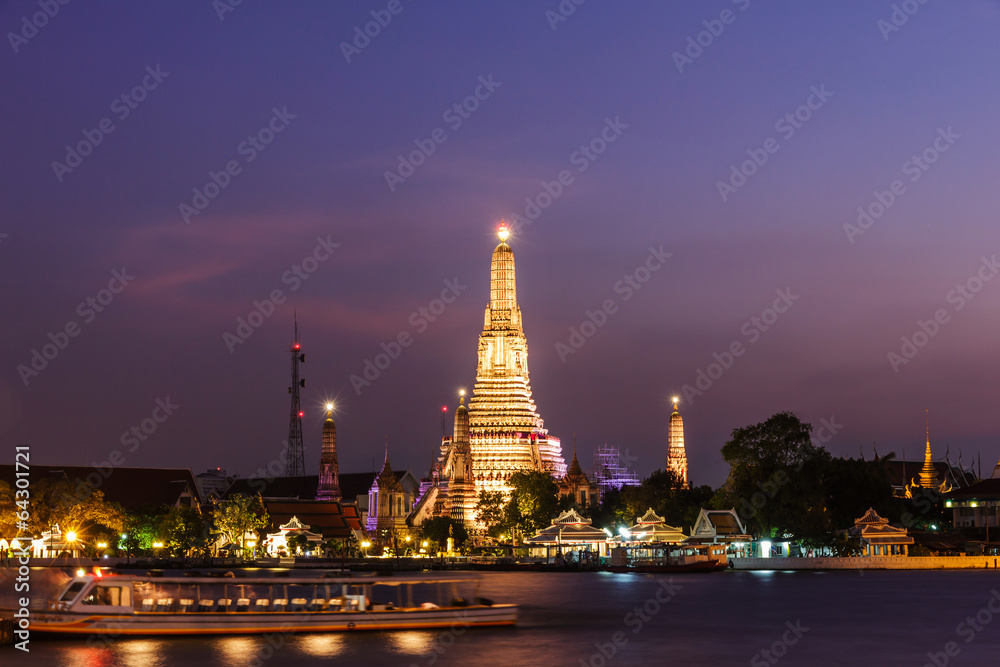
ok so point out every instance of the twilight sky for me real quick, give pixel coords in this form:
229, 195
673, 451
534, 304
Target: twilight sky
839, 108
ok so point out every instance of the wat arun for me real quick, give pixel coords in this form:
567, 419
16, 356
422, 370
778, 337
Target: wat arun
506, 433
500, 432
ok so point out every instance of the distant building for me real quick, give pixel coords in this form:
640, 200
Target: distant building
878, 538
719, 527
653, 528
576, 485
389, 502
677, 461
977, 505
610, 472
328, 487
212, 483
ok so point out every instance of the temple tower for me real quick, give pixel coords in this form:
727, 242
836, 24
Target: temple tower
506, 433
461, 490
676, 454
329, 469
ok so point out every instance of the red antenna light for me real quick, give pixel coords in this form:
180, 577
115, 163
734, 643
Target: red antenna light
301, 414
296, 346
444, 408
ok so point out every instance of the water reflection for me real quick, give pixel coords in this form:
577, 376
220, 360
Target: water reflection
87, 657
145, 652
238, 651
321, 646
411, 642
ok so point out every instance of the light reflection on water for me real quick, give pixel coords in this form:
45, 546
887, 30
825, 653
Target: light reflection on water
145, 652
411, 642
321, 646
239, 650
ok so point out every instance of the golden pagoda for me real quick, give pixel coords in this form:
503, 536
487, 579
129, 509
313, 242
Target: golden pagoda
928, 478
506, 434
677, 461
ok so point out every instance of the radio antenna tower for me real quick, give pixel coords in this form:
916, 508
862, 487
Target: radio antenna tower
295, 461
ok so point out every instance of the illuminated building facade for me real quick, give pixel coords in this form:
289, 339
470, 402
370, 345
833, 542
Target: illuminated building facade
677, 461
506, 433
388, 502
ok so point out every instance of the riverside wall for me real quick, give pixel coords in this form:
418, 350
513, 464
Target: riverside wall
869, 563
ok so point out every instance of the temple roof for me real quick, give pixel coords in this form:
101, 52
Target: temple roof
871, 518
649, 517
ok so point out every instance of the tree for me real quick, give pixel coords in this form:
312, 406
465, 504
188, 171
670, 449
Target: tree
183, 530
490, 512
438, 530
775, 478
54, 501
238, 515
534, 501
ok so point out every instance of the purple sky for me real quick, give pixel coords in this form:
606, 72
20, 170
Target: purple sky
323, 176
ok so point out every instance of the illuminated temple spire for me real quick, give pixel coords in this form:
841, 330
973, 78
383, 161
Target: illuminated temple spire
928, 476
506, 433
329, 469
676, 454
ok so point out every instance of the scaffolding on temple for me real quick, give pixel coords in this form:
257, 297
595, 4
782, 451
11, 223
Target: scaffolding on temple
609, 471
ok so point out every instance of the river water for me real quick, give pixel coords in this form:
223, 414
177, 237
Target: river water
730, 618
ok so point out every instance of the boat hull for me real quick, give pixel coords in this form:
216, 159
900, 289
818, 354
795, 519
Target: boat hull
232, 622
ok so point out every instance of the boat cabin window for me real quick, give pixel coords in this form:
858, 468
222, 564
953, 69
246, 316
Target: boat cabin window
71, 592
104, 596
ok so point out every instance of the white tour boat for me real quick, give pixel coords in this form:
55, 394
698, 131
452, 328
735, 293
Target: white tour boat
116, 605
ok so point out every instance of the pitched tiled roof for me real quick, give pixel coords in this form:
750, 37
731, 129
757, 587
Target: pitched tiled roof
132, 488
328, 517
